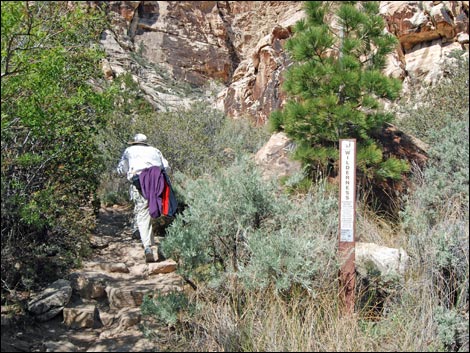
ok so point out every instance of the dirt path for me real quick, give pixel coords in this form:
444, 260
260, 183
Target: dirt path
103, 313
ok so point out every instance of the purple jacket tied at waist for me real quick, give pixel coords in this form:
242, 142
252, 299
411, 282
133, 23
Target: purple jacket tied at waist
152, 182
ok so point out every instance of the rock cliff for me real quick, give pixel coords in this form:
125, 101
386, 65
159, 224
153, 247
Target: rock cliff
238, 48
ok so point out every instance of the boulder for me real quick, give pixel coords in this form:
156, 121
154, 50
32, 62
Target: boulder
274, 159
51, 301
89, 285
380, 260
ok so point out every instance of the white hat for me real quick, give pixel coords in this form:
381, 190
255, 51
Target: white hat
139, 139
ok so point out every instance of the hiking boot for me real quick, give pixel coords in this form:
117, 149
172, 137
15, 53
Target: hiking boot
136, 234
149, 255
161, 257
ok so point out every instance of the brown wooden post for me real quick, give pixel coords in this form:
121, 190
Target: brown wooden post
347, 223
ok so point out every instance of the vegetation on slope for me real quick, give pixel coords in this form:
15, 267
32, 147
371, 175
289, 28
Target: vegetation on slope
263, 261
50, 117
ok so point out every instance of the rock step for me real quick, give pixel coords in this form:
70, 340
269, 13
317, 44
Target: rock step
91, 283
129, 254
131, 293
112, 267
121, 337
100, 303
79, 316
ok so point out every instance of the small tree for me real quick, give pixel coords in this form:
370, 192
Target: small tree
335, 85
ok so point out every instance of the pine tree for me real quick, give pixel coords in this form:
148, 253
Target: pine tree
334, 86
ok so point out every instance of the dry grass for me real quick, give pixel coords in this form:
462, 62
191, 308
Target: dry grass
372, 228
271, 323
297, 322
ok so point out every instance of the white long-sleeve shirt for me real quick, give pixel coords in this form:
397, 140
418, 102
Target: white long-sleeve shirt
136, 158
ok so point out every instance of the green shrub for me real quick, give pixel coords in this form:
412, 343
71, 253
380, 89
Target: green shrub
334, 86
222, 208
436, 223
237, 223
166, 307
200, 139
443, 190
450, 328
296, 247
50, 116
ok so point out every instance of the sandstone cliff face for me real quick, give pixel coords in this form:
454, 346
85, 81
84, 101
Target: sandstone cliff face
239, 44
428, 32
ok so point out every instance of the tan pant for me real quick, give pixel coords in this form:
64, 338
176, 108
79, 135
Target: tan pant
142, 217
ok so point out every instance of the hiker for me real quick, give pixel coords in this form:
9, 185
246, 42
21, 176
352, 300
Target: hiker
138, 157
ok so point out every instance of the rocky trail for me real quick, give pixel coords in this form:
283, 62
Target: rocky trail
97, 307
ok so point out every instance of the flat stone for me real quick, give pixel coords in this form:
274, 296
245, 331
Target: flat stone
166, 266
140, 270
114, 267
81, 316
60, 346
128, 343
127, 296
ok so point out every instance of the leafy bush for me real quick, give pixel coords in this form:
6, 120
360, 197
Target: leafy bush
200, 139
450, 326
439, 196
435, 216
222, 209
166, 307
299, 249
436, 223
236, 223
50, 116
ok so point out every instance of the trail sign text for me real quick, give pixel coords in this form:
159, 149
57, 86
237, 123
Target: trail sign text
348, 189
347, 223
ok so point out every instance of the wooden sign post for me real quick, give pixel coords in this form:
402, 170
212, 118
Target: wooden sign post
347, 222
